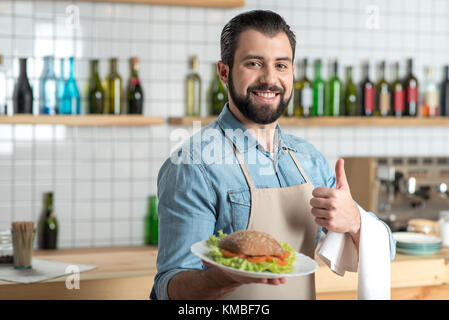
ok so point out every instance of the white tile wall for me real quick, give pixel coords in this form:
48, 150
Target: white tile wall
102, 176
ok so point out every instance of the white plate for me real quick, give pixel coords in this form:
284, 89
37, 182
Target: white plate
303, 265
412, 237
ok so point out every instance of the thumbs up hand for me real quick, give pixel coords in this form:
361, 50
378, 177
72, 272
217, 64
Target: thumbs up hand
334, 209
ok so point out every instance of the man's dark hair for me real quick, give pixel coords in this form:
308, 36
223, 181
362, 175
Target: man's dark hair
264, 21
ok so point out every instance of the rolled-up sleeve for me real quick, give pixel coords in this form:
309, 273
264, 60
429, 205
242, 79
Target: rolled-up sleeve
186, 210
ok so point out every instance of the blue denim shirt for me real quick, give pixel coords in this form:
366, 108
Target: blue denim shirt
202, 189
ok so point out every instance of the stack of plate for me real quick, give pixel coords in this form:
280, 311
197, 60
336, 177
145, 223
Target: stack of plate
416, 243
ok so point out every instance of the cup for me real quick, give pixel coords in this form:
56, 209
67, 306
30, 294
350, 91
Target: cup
22, 242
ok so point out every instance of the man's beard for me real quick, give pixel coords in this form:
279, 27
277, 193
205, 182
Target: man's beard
258, 114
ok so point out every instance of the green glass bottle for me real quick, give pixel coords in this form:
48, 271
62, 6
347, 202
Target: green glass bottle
95, 93
135, 92
334, 93
350, 99
114, 89
218, 93
193, 89
398, 103
151, 222
303, 94
318, 91
383, 94
50, 231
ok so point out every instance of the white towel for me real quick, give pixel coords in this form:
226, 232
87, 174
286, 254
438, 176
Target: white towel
339, 252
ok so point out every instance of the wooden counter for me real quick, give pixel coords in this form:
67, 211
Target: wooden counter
128, 272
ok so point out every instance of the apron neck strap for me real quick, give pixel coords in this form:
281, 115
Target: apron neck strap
298, 166
241, 162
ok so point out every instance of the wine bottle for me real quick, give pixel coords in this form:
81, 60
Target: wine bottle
398, 94
383, 97
193, 89
50, 232
368, 92
60, 85
429, 107
303, 94
411, 91
95, 92
350, 99
218, 93
114, 91
71, 101
444, 99
3, 107
23, 93
151, 222
318, 91
48, 95
334, 93
135, 91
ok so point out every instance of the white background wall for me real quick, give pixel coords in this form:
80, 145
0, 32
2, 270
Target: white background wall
101, 176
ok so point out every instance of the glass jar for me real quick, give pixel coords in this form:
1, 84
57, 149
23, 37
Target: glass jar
444, 227
6, 249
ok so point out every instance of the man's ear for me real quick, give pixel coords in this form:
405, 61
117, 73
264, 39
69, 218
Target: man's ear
223, 72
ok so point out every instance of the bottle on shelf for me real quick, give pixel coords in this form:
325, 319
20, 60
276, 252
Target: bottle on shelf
23, 93
193, 88
135, 91
383, 96
368, 93
429, 107
60, 85
48, 84
398, 93
218, 93
318, 91
71, 101
333, 101
350, 98
303, 94
50, 227
95, 92
3, 107
444, 89
411, 91
151, 222
114, 92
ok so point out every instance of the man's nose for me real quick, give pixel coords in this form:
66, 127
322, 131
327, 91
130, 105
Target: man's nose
269, 76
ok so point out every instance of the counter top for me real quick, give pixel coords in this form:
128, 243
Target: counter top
136, 266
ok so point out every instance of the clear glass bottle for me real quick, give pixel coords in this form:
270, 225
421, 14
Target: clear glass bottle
71, 102
3, 109
48, 95
114, 90
6, 248
60, 85
429, 107
193, 89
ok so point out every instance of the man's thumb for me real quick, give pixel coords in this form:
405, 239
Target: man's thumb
342, 182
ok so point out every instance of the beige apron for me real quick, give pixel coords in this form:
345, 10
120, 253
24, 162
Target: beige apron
285, 214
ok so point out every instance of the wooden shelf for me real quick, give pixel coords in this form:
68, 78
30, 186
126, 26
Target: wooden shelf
186, 3
335, 121
84, 120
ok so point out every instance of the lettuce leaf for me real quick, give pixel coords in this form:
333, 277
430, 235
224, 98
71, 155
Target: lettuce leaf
243, 264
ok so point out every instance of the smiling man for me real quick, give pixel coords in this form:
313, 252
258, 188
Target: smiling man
259, 178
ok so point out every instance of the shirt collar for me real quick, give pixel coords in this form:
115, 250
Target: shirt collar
243, 140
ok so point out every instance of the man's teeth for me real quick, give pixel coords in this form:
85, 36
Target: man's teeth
266, 94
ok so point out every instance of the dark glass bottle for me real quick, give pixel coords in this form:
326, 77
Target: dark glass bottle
95, 93
368, 93
350, 94
71, 101
411, 91
334, 99
3, 107
151, 222
135, 91
318, 91
218, 93
23, 93
383, 97
50, 232
398, 94
444, 95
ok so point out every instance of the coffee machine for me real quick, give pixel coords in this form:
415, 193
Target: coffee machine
398, 189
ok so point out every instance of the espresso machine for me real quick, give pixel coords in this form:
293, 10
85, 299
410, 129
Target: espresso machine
398, 189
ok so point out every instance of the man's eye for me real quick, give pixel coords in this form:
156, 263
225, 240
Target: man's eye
282, 66
253, 64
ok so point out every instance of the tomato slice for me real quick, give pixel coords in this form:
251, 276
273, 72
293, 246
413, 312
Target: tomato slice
229, 254
281, 262
286, 254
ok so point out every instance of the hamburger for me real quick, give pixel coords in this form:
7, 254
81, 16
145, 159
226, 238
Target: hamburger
252, 250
